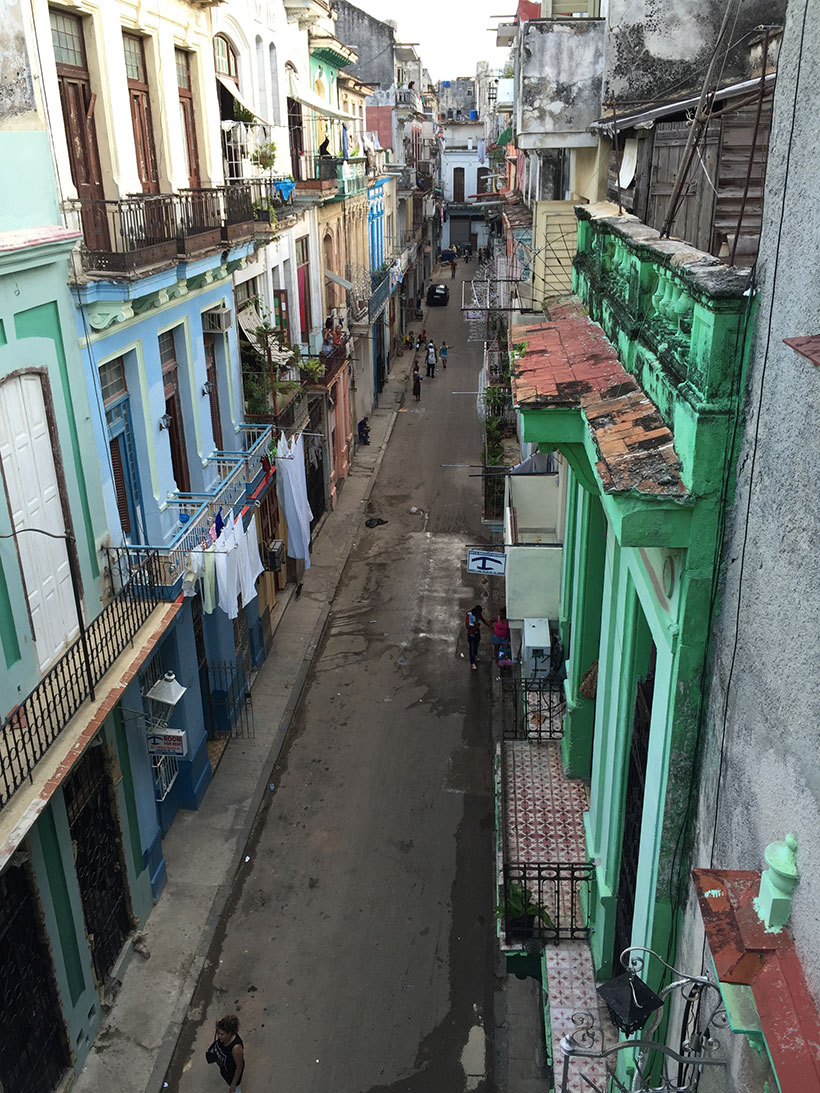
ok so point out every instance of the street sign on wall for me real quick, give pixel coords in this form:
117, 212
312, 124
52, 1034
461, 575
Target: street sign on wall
488, 562
168, 742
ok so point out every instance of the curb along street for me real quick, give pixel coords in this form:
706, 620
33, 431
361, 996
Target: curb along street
137, 1039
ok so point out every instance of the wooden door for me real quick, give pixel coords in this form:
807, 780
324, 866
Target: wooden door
297, 138
141, 113
213, 389
458, 184
30, 477
693, 221
633, 813
186, 110
173, 408
78, 103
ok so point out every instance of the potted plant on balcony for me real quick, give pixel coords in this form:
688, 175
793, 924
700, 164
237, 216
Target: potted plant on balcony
311, 368
519, 912
264, 157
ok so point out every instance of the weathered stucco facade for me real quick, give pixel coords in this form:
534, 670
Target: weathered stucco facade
759, 773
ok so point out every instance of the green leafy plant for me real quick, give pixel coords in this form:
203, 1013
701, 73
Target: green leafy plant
265, 156
519, 904
243, 115
312, 368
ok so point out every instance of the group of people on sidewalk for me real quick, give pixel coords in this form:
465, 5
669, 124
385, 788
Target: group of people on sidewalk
502, 650
431, 358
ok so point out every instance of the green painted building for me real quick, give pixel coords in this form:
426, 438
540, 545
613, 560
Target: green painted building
637, 380
74, 882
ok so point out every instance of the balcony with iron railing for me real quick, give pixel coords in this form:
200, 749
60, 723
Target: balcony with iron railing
380, 284
131, 235
237, 473
38, 721
409, 99
545, 881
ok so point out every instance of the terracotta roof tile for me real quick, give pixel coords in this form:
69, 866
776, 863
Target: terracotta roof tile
568, 362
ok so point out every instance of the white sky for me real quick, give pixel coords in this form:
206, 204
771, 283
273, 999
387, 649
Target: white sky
452, 34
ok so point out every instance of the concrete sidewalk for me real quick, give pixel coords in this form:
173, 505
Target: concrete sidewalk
204, 850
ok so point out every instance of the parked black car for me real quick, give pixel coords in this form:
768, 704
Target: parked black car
438, 296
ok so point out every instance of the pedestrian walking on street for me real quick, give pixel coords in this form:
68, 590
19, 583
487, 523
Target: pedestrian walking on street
453, 268
474, 621
228, 1052
416, 382
443, 354
431, 359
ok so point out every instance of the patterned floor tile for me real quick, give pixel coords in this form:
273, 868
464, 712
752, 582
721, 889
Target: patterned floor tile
543, 809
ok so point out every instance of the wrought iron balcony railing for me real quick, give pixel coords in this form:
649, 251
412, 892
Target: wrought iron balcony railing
534, 709
33, 726
197, 511
134, 234
546, 901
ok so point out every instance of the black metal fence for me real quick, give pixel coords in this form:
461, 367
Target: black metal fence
230, 708
33, 726
546, 901
532, 709
144, 230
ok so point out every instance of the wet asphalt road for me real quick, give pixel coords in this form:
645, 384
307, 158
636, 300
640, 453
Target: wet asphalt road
357, 950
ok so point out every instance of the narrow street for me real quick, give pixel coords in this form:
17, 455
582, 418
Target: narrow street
357, 949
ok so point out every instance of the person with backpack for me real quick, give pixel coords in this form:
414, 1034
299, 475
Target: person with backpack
474, 620
431, 358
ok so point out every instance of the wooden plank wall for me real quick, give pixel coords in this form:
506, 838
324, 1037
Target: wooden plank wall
709, 213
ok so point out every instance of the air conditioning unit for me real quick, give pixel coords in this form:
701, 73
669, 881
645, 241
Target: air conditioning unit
217, 320
535, 648
274, 555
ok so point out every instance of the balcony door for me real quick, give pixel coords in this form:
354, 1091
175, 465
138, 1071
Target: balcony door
213, 389
186, 111
141, 113
458, 184
78, 103
34, 500
173, 408
633, 812
296, 133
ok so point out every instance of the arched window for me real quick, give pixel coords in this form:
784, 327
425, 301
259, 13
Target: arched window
225, 59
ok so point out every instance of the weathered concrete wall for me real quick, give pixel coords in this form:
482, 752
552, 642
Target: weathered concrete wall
16, 87
372, 39
660, 44
760, 773
559, 90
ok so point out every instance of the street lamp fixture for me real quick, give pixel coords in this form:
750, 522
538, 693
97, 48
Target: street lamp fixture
165, 421
657, 1067
630, 1001
163, 697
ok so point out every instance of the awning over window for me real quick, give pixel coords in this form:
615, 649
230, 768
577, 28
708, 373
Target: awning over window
309, 98
331, 276
233, 90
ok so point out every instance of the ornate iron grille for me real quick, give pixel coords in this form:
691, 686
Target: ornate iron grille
33, 726
97, 840
33, 1049
633, 814
532, 710
546, 901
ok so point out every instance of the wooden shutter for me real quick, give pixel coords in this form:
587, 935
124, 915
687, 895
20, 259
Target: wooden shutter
120, 487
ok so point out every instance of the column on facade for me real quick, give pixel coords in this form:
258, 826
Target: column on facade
583, 579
